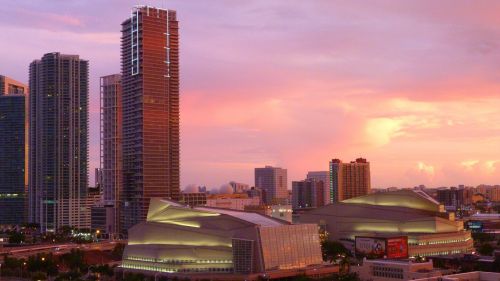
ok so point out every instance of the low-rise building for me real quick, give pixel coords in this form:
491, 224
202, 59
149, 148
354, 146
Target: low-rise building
176, 240
429, 229
385, 270
236, 201
467, 276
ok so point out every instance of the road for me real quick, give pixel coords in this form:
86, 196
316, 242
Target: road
57, 249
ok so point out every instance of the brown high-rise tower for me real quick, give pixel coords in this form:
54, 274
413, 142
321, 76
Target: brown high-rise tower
150, 77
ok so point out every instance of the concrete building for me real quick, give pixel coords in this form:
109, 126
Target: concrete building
231, 201
183, 241
307, 194
323, 176
150, 80
385, 270
455, 198
273, 182
349, 180
58, 147
491, 192
430, 230
467, 276
194, 198
13, 151
111, 148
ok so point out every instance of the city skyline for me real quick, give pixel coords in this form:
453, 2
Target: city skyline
410, 88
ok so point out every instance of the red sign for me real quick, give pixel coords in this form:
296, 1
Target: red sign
397, 247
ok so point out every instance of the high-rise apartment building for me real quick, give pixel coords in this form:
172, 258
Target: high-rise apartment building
111, 147
273, 182
308, 193
13, 151
323, 176
348, 180
58, 147
150, 99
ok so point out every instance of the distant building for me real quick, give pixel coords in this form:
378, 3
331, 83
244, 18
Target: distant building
150, 81
430, 230
256, 192
273, 181
205, 242
349, 180
307, 194
111, 148
231, 201
239, 187
491, 192
455, 198
282, 212
58, 147
323, 176
13, 151
193, 198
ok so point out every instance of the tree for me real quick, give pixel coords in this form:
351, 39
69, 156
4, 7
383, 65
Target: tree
16, 237
74, 260
485, 249
334, 251
118, 251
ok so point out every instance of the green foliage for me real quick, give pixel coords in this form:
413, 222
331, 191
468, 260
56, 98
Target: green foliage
74, 260
485, 249
36, 276
103, 269
16, 237
43, 263
118, 251
134, 277
480, 237
334, 251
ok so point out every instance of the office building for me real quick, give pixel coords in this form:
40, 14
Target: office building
13, 151
491, 192
273, 182
307, 194
466, 276
323, 176
150, 106
455, 198
58, 147
180, 241
111, 147
349, 180
429, 229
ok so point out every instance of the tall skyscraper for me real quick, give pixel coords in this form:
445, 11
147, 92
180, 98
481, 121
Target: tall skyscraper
323, 176
273, 182
308, 193
13, 151
150, 79
111, 148
58, 140
348, 180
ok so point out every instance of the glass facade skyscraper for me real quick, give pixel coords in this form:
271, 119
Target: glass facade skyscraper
13, 162
58, 141
150, 80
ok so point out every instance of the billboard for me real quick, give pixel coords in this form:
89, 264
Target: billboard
381, 247
370, 247
397, 247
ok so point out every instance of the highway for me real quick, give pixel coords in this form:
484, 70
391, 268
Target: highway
56, 249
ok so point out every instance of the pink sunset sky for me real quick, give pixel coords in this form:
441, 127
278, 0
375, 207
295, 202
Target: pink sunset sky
413, 86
